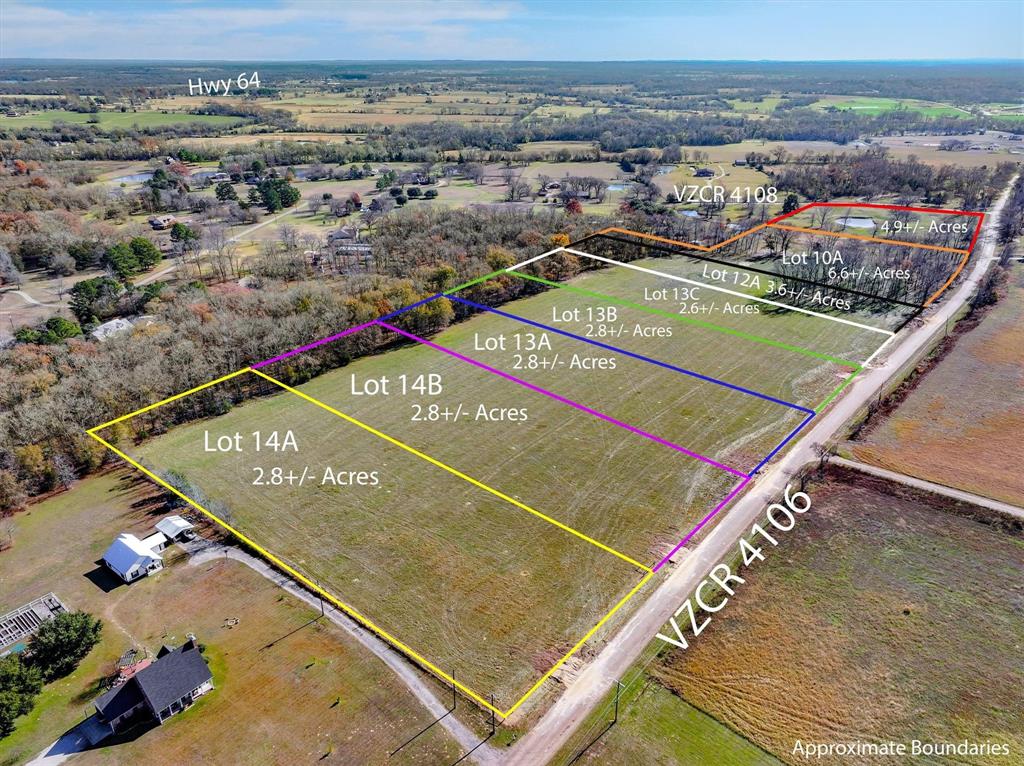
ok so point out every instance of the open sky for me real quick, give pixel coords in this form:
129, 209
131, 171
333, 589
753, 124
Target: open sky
574, 30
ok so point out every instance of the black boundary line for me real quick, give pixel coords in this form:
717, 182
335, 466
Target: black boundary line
692, 254
909, 319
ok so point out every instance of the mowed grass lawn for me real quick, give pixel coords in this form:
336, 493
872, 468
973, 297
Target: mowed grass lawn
313, 691
881, 617
46, 119
878, 105
961, 424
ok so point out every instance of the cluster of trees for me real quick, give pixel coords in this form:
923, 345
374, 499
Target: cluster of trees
274, 194
101, 298
127, 259
50, 394
53, 330
872, 173
53, 652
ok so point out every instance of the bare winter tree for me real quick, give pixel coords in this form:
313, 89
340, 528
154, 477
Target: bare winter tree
223, 252
475, 172
64, 470
9, 274
517, 190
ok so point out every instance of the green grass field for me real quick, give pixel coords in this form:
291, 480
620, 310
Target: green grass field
813, 333
518, 591
313, 691
521, 589
876, 105
111, 120
658, 727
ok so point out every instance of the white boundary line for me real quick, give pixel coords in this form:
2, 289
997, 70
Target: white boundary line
537, 258
889, 333
878, 350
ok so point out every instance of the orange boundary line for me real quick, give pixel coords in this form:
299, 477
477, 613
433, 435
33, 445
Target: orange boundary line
774, 222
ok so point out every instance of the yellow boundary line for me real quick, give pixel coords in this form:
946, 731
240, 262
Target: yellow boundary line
168, 400
352, 612
301, 578
455, 472
579, 643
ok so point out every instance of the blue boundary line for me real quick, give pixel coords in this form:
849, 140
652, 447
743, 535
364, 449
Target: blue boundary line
411, 306
758, 467
782, 444
642, 358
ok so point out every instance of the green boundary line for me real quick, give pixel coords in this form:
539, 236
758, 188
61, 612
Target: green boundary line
690, 320
472, 282
835, 392
857, 369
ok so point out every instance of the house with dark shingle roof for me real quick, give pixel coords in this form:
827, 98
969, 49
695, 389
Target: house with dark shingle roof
158, 691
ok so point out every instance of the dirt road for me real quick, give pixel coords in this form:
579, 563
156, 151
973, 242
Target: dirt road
201, 551
550, 734
928, 486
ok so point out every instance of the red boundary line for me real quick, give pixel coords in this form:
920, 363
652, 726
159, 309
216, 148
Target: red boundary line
874, 206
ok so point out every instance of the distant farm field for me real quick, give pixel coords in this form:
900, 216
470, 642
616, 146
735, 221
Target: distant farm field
961, 424
272, 138
875, 105
844, 632
115, 119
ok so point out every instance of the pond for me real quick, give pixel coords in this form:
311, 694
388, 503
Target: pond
856, 223
135, 178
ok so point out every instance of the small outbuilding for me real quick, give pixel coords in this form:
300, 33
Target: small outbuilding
175, 528
109, 329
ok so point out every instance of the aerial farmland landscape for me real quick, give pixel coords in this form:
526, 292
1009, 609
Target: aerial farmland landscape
437, 382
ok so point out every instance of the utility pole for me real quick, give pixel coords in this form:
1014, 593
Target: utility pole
618, 689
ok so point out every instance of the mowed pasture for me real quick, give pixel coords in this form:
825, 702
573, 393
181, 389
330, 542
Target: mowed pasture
466, 579
730, 426
844, 632
666, 337
522, 589
961, 423
656, 726
290, 689
344, 110
46, 119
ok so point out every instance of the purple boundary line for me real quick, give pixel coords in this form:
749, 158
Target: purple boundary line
312, 345
689, 535
564, 400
